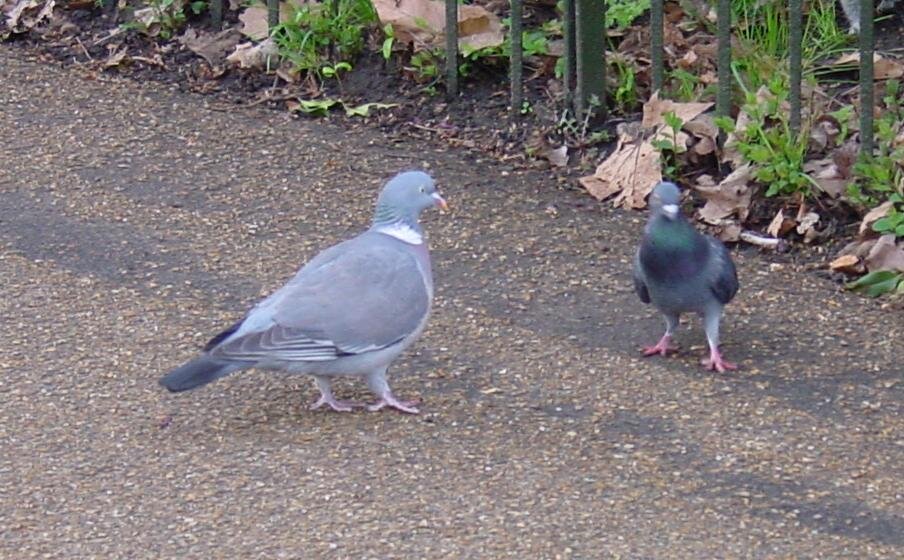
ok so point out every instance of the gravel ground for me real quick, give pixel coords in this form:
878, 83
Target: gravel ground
135, 221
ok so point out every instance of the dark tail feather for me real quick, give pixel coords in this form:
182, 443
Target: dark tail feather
195, 373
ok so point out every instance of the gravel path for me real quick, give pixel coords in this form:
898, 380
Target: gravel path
135, 221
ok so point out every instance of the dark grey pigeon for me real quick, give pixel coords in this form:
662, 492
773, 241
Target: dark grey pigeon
350, 311
679, 270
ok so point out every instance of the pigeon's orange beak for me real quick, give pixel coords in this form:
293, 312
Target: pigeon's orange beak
440, 201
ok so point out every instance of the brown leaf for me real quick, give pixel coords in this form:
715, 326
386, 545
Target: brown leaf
824, 132
780, 225
632, 169
254, 18
249, 55
115, 56
212, 47
557, 156
827, 176
806, 225
885, 255
23, 15
731, 196
883, 68
848, 264
423, 23
655, 108
873, 216
730, 232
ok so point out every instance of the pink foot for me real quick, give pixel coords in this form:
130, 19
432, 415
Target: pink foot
337, 405
389, 400
716, 363
662, 347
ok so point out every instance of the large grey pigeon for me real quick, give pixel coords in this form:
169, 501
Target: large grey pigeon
678, 270
351, 310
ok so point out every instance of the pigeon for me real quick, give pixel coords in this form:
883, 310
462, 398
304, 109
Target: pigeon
351, 310
678, 269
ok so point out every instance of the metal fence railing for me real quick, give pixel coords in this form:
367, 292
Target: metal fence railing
585, 52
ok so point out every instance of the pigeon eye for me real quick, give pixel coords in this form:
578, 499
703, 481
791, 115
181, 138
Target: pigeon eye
423, 189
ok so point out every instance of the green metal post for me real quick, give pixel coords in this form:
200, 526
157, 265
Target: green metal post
216, 13
796, 24
867, 37
568, 31
517, 58
656, 43
272, 15
723, 65
452, 48
590, 55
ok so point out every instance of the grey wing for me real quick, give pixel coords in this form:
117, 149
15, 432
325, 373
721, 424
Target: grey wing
351, 299
639, 285
724, 285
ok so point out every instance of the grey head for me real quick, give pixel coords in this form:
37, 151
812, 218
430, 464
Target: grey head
665, 201
404, 197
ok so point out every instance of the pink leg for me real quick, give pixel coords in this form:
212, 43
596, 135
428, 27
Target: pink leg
327, 398
662, 347
335, 404
388, 399
716, 363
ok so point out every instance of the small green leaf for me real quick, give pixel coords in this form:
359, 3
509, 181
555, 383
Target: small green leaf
364, 110
725, 124
317, 106
877, 282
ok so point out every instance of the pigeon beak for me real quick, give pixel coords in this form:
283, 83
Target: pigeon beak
670, 210
440, 201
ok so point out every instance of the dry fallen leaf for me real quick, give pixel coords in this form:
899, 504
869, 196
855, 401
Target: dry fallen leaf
848, 264
632, 169
730, 197
249, 55
23, 15
116, 55
655, 108
883, 68
806, 226
423, 23
780, 225
873, 216
212, 47
254, 18
557, 156
827, 176
885, 255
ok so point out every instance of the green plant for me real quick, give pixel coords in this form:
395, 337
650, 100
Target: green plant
668, 147
620, 14
318, 36
893, 222
334, 70
879, 282
625, 95
578, 133
684, 84
423, 64
163, 17
767, 142
388, 41
880, 176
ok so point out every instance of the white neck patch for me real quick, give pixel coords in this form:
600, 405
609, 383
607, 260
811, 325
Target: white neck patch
402, 232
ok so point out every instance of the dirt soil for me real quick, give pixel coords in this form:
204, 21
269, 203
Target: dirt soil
136, 220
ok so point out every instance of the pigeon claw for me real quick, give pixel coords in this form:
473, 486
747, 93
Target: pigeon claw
388, 400
715, 362
337, 405
663, 347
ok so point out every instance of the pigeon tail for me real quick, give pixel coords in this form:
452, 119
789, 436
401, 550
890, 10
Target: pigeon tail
195, 373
